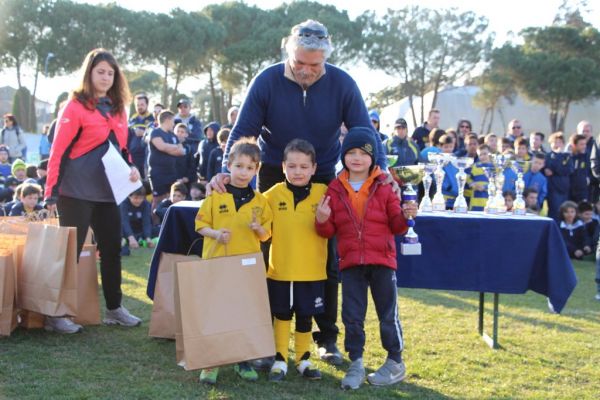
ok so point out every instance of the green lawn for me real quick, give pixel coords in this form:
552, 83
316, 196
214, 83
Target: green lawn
543, 355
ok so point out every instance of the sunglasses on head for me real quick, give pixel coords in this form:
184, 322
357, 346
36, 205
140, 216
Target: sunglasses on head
319, 33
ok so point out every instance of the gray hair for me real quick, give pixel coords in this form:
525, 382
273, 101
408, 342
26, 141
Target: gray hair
311, 43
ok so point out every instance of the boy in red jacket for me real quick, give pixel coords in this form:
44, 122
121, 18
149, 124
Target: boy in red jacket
365, 213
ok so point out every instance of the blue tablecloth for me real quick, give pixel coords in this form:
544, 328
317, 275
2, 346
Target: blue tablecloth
473, 252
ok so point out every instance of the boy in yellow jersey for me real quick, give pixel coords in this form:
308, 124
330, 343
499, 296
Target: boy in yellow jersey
235, 222
296, 275
477, 181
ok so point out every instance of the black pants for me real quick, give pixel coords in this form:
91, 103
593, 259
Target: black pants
268, 176
105, 220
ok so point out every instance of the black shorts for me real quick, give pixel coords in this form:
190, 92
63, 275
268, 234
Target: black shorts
161, 186
303, 298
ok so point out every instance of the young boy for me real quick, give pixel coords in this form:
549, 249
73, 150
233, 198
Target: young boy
509, 199
365, 214
535, 179
558, 170
185, 165
450, 184
5, 165
239, 218
580, 178
136, 221
19, 170
42, 172
178, 193
297, 258
207, 145
197, 191
522, 156
585, 212
477, 181
530, 195
28, 204
215, 159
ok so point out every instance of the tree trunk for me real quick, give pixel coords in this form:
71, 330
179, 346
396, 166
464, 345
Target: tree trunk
18, 67
222, 115
412, 110
35, 80
174, 94
165, 82
563, 115
213, 92
438, 78
484, 119
492, 112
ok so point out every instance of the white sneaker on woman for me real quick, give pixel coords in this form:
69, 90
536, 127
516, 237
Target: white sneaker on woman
121, 316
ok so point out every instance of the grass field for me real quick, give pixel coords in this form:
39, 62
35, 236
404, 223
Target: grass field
543, 355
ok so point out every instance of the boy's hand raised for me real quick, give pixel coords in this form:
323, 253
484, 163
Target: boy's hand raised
323, 209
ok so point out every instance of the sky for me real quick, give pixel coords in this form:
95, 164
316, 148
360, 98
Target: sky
506, 19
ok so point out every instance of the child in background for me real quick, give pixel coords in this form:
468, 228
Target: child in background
530, 195
573, 231
42, 172
450, 184
535, 179
239, 218
296, 274
558, 170
28, 201
207, 145
19, 170
509, 199
365, 214
580, 178
585, 212
433, 138
5, 165
522, 156
477, 181
215, 159
136, 222
197, 191
185, 165
506, 145
178, 193
492, 141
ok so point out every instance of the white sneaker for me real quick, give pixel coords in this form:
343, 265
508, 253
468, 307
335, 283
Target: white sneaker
61, 325
389, 373
121, 316
597, 297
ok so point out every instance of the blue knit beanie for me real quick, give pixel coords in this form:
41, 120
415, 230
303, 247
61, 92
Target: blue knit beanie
361, 137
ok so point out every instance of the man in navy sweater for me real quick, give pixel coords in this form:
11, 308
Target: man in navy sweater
303, 97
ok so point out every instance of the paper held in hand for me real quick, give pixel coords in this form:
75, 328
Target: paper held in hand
117, 171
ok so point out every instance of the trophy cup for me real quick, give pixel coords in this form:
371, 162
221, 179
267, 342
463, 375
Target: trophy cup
519, 207
407, 176
501, 162
460, 204
426, 205
440, 160
490, 205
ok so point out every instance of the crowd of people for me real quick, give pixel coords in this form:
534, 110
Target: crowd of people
304, 212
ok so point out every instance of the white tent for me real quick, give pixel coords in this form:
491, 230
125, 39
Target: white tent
456, 103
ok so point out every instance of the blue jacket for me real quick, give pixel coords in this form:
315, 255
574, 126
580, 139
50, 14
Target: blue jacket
405, 149
287, 112
431, 149
136, 221
450, 185
580, 178
539, 182
195, 134
561, 166
44, 146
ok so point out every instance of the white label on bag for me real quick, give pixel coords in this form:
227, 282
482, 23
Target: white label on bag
248, 261
86, 253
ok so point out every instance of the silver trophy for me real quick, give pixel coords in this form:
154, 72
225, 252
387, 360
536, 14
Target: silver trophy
501, 162
428, 169
490, 205
440, 160
407, 176
519, 207
462, 163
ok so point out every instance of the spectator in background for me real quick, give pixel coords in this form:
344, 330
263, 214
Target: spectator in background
184, 106
515, 130
580, 178
185, 165
433, 121
470, 146
44, 147
215, 159
375, 121
136, 222
536, 142
558, 170
434, 144
450, 184
42, 171
535, 179
197, 191
507, 145
530, 195
463, 130
19, 170
492, 141
585, 128
5, 165
509, 199
178, 193
232, 114
476, 190
573, 231
138, 125
452, 132
401, 145
12, 137
522, 156
585, 212
28, 201
207, 145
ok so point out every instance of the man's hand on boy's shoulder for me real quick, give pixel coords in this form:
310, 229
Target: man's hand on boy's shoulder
217, 183
395, 187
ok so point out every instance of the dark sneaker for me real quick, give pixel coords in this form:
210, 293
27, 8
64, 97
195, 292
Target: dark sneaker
355, 376
331, 354
389, 373
263, 364
61, 325
308, 371
278, 371
121, 316
245, 371
209, 376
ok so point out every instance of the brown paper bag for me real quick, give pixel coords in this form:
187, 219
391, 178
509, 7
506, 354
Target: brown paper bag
162, 320
8, 312
31, 320
48, 277
222, 311
88, 306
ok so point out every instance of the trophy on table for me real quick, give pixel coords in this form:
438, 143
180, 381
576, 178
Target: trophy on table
440, 160
426, 204
519, 207
490, 205
407, 176
462, 163
501, 162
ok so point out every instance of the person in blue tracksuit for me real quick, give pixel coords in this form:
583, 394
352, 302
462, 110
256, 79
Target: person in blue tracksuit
535, 179
558, 170
450, 185
401, 145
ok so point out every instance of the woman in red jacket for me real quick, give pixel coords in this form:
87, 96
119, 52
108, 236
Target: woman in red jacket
365, 214
92, 120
